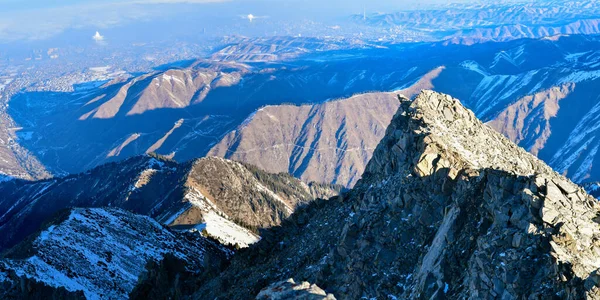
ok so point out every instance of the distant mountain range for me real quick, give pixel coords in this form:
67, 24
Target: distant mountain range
180, 113
520, 87
499, 21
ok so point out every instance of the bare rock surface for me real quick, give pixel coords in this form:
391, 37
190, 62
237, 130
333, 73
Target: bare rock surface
289, 289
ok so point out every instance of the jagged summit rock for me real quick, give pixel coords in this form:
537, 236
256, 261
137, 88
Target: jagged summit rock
402, 98
448, 208
453, 135
528, 207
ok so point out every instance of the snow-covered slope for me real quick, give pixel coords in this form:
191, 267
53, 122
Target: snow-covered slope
102, 252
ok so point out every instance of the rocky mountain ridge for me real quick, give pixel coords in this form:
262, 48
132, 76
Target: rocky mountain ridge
447, 207
498, 81
224, 199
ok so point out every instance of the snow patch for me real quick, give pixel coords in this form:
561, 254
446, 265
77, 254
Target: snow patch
44, 235
580, 76
227, 232
474, 66
172, 78
586, 166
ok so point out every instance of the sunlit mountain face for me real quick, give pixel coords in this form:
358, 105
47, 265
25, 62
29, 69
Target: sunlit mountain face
299, 149
204, 68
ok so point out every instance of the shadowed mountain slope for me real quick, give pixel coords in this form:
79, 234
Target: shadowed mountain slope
447, 207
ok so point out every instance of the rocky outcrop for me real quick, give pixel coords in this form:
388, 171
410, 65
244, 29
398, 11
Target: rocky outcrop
100, 253
289, 289
447, 207
526, 221
231, 201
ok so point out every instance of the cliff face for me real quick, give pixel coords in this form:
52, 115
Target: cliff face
446, 207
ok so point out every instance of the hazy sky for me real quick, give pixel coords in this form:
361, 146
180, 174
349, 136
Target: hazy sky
12, 5
43, 19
